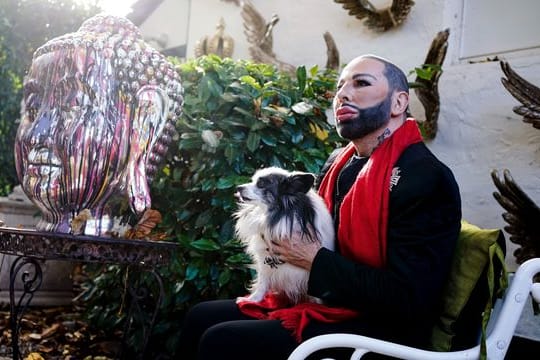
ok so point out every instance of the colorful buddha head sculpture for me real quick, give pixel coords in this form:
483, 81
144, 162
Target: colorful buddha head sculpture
97, 118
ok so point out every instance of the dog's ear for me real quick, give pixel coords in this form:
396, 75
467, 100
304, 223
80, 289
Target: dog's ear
301, 182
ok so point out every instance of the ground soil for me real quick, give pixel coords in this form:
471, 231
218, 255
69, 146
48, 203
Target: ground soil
56, 333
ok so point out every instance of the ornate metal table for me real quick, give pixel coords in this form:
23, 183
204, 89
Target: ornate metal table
31, 247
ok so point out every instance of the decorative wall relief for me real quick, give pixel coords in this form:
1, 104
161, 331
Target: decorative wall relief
525, 92
522, 213
259, 34
332, 53
522, 216
220, 44
97, 118
378, 18
426, 87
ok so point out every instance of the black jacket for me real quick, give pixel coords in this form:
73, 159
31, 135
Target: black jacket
400, 302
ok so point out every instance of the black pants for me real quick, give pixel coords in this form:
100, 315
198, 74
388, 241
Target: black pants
218, 330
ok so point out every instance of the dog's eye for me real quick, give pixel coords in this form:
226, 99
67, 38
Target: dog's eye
261, 183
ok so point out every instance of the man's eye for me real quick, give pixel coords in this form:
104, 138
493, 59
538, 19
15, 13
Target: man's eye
361, 83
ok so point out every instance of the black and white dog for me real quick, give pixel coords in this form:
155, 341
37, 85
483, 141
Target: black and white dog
278, 205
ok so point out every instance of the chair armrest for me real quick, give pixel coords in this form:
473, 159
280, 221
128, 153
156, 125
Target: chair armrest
535, 292
364, 345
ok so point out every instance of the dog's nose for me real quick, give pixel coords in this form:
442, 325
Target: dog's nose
238, 193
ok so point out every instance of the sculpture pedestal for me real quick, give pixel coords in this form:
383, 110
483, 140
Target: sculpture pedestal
17, 211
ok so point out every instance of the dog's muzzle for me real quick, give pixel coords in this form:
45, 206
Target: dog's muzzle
240, 194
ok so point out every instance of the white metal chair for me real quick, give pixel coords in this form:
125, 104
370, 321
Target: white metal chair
502, 325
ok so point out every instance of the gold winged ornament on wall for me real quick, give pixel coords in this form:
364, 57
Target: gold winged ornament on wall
378, 19
258, 32
332, 52
525, 92
426, 87
522, 213
522, 216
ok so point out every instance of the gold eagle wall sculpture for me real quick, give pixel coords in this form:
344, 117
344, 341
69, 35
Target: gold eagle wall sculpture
378, 19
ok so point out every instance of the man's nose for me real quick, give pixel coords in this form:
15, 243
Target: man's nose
342, 95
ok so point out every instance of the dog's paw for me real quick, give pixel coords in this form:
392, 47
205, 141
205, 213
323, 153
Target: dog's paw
315, 300
255, 297
241, 299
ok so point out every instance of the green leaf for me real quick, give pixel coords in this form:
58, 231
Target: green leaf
231, 153
297, 137
269, 139
191, 272
225, 183
238, 259
203, 219
205, 245
253, 141
224, 277
246, 79
301, 76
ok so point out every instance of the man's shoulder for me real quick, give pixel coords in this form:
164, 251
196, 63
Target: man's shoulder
419, 155
421, 167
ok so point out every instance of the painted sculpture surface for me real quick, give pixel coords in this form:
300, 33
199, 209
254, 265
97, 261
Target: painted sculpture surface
97, 118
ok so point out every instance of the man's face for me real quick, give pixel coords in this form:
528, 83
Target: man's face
70, 146
363, 101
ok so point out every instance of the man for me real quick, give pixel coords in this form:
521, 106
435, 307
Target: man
97, 116
397, 211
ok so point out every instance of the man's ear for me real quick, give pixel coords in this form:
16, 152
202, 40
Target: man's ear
148, 122
400, 102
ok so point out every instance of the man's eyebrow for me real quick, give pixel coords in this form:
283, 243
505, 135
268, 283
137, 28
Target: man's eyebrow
359, 75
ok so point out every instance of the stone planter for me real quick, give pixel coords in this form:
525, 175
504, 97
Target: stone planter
57, 286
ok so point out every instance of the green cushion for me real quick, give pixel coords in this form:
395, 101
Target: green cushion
476, 251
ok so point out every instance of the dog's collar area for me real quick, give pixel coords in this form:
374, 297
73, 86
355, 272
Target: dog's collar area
273, 261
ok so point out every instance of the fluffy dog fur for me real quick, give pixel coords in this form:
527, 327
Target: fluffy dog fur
280, 205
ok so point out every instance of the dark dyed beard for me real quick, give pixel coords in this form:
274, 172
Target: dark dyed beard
368, 120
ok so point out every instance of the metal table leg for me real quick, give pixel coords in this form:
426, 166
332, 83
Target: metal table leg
31, 281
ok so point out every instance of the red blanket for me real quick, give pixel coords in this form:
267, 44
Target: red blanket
359, 240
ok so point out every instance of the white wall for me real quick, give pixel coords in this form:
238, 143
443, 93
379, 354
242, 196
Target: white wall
478, 131
168, 23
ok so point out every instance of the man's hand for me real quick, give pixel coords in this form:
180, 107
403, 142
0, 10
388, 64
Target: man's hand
296, 252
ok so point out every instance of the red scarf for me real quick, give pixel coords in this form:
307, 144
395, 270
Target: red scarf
362, 228
362, 241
